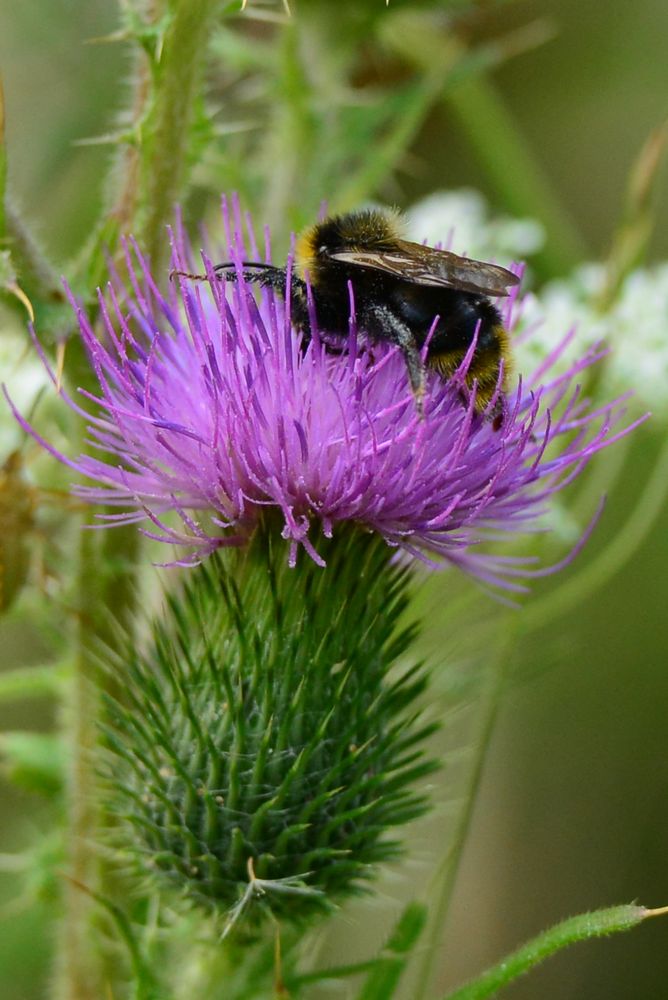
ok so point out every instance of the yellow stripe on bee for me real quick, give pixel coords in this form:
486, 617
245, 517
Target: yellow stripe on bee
304, 253
484, 367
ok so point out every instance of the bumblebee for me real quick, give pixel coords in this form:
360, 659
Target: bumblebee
402, 292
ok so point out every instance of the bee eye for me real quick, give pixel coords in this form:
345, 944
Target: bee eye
323, 249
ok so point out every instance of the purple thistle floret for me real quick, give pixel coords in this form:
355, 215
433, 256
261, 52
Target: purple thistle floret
211, 407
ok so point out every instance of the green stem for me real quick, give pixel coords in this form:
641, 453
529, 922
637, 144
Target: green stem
514, 171
79, 970
600, 923
296, 982
612, 558
107, 589
384, 977
145, 986
33, 682
447, 874
601, 479
385, 970
164, 168
33, 266
105, 610
389, 149
3, 162
291, 140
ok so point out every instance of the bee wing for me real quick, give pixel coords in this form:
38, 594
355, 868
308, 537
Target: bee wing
437, 268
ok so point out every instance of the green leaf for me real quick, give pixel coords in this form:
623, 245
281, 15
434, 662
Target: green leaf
39, 868
144, 986
384, 977
632, 236
385, 970
34, 761
600, 923
263, 738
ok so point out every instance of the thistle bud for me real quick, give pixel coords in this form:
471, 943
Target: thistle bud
261, 754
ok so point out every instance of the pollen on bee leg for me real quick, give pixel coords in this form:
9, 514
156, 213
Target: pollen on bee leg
498, 414
417, 378
419, 394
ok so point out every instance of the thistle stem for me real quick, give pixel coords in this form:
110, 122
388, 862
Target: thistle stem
35, 268
148, 192
164, 165
446, 875
79, 973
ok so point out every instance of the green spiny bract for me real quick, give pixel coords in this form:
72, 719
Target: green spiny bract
261, 736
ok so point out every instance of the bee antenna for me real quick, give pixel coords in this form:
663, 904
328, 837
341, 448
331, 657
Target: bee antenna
226, 266
244, 263
175, 273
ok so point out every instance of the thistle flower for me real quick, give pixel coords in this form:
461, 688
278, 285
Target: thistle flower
212, 408
261, 755
268, 741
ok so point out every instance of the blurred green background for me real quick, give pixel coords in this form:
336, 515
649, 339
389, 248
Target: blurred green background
574, 802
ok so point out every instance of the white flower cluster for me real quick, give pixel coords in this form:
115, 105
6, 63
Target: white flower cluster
634, 327
461, 221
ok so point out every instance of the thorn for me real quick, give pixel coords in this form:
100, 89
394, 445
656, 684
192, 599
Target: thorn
60, 363
109, 139
18, 293
498, 414
419, 404
123, 35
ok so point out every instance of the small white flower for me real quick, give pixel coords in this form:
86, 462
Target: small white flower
461, 221
634, 328
20, 365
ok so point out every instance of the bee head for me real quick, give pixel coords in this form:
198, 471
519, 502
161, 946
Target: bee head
370, 229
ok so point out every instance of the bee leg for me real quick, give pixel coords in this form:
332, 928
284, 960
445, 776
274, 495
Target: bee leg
498, 414
275, 278
299, 308
386, 325
265, 275
252, 272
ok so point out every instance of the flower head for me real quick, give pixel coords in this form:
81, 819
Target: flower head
462, 218
211, 406
634, 325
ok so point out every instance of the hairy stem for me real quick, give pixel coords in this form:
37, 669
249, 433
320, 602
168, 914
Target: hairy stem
150, 179
164, 169
600, 923
79, 968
